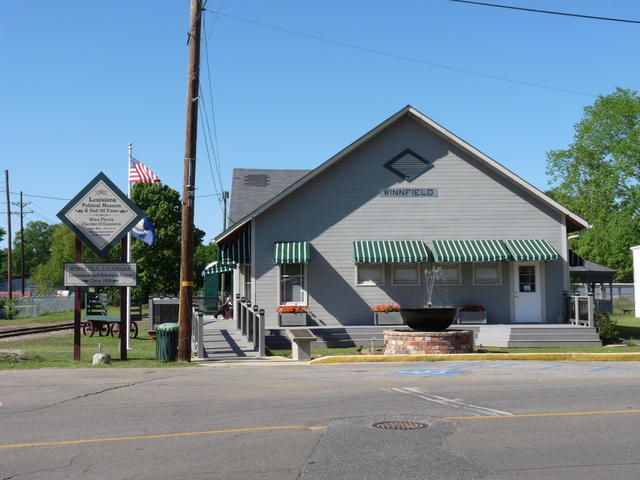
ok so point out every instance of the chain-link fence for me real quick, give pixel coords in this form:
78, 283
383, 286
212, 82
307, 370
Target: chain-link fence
39, 305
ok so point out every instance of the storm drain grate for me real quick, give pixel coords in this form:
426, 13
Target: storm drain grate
399, 425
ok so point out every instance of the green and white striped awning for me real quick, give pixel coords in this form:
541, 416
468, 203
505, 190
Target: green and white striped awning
237, 250
216, 268
390, 251
470, 251
531, 250
291, 252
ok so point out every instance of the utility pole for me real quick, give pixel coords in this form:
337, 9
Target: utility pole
9, 258
225, 197
223, 287
22, 213
189, 180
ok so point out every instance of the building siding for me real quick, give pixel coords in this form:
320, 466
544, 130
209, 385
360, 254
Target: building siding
341, 205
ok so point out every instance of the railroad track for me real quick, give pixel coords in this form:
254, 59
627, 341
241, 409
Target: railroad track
19, 332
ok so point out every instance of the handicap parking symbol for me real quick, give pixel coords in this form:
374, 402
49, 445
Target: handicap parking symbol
429, 372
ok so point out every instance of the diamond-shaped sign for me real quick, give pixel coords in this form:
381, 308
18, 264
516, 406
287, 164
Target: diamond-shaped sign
101, 214
408, 165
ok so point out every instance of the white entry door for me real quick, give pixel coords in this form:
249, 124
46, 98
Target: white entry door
528, 296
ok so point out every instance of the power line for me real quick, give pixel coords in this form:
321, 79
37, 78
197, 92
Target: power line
206, 118
36, 196
405, 58
551, 12
209, 79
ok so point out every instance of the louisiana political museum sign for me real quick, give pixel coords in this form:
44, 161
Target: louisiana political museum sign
100, 216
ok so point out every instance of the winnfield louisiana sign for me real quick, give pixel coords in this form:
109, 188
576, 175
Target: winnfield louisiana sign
100, 274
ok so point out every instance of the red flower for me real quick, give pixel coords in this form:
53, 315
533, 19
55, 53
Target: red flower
292, 309
472, 307
390, 307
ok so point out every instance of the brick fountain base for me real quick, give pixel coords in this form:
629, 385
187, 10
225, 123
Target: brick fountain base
405, 341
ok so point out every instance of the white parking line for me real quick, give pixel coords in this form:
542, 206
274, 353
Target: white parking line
450, 402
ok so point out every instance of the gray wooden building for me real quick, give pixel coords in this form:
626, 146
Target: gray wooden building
356, 231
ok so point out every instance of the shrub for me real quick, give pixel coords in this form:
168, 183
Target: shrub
607, 327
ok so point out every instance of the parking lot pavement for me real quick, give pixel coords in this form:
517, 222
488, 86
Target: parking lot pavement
495, 420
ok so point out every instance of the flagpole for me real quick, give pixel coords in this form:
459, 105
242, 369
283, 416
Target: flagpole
130, 147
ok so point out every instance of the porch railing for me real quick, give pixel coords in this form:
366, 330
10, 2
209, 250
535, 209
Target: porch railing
249, 321
580, 311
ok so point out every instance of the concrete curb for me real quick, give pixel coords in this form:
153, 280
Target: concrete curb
567, 357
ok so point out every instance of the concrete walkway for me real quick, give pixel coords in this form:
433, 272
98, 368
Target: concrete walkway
221, 342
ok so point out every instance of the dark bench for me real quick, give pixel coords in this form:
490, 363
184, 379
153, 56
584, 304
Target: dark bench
97, 319
625, 311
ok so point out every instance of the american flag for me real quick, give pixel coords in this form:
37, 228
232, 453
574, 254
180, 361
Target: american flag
139, 172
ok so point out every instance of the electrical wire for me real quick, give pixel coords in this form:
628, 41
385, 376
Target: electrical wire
36, 196
213, 116
207, 140
551, 12
407, 59
212, 146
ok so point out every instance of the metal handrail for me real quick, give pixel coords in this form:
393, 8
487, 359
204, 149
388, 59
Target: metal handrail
250, 324
197, 333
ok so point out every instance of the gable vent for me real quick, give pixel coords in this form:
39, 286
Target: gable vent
257, 180
408, 165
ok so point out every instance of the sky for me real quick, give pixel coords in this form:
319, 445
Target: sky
287, 84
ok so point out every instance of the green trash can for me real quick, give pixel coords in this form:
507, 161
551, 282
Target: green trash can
167, 342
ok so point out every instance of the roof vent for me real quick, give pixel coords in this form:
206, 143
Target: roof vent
408, 165
257, 180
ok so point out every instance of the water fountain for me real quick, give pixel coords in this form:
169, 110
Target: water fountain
429, 318
427, 332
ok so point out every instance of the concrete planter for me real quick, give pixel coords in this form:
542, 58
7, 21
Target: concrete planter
293, 319
472, 317
387, 318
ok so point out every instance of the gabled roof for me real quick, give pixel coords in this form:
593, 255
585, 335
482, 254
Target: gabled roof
252, 187
573, 221
587, 271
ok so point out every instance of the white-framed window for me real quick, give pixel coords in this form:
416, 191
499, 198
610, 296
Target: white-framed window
448, 274
405, 274
369, 274
487, 273
293, 284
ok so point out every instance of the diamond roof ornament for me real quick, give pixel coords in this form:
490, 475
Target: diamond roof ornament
101, 214
408, 165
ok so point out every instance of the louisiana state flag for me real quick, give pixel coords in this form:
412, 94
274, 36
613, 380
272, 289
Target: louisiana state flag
145, 231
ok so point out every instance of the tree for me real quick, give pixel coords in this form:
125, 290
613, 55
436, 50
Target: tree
159, 264
37, 247
204, 255
598, 177
50, 274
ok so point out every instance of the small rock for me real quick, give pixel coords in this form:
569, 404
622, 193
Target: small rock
101, 359
13, 354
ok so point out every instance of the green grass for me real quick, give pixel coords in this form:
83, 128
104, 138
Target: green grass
46, 318
57, 317
57, 352
629, 326
317, 352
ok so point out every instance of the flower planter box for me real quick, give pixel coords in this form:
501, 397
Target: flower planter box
293, 319
387, 318
472, 317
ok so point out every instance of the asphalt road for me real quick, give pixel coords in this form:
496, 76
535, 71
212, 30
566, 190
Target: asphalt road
489, 420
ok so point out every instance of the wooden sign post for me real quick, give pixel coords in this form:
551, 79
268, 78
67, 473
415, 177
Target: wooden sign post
100, 215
